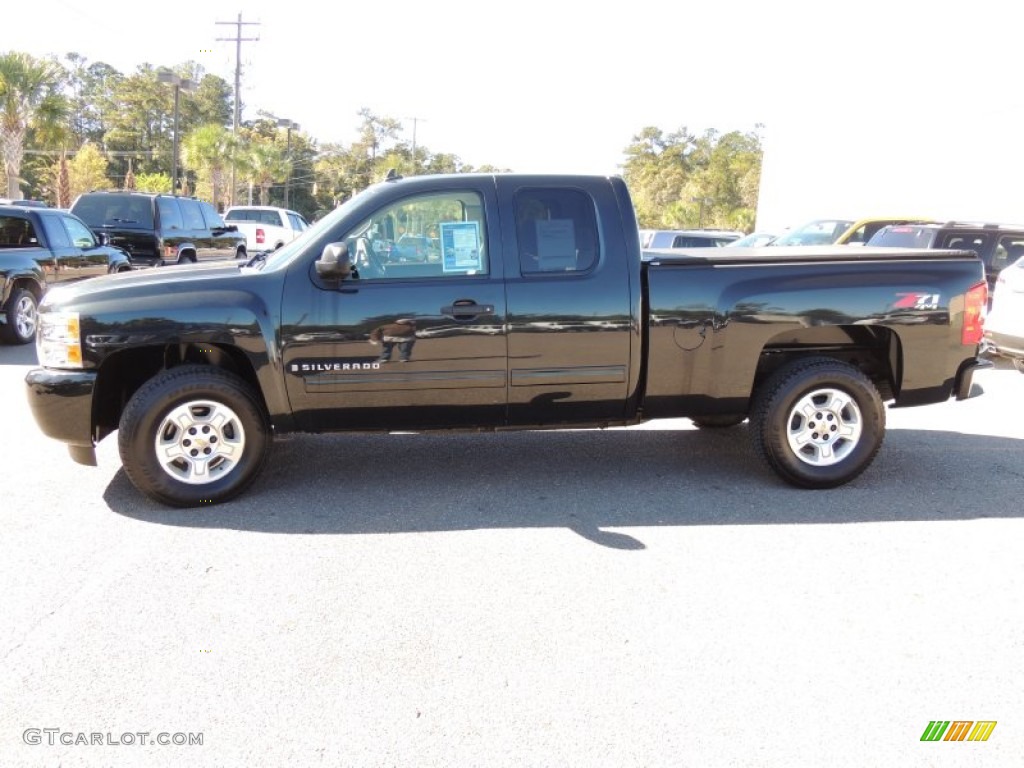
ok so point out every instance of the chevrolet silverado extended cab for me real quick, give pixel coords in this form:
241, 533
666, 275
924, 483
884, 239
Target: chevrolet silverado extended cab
539, 311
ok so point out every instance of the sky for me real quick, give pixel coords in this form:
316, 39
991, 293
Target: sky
860, 102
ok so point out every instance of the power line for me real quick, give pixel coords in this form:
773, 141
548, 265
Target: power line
238, 40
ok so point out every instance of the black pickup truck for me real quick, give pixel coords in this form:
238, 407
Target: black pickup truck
64, 249
538, 309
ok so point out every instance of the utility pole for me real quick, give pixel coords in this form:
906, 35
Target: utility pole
415, 120
237, 40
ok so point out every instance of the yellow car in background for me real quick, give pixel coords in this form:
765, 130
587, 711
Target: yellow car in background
841, 231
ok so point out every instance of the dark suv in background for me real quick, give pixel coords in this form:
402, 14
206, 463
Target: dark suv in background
997, 245
160, 229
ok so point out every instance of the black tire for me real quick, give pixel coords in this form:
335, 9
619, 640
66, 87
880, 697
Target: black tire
187, 257
216, 413
720, 421
818, 422
22, 317
240, 253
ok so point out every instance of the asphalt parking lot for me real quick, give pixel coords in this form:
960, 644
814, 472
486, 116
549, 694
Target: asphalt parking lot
633, 597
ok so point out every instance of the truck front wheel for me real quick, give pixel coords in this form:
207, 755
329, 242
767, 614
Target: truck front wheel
193, 436
818, 422
22, 317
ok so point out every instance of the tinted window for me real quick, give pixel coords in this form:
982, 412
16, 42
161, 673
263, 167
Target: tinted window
556, 230
965, 242
16, 232
238, 215
80, 234
691, 241
213, 219
170, 215
1008, 250
191, 214
114, 210
55, 232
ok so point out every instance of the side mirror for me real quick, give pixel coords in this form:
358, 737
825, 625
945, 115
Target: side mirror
103, 238
334, 263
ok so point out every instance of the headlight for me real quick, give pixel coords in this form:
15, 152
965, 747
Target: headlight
59, 340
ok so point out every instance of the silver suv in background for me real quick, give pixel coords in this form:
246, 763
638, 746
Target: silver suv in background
687, 238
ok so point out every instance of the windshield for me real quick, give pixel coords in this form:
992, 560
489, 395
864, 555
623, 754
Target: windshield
903, 237
285, 252
817, 232
753, 240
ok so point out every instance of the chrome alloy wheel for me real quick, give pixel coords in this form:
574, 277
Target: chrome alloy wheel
824, 426
199, 442
25, 317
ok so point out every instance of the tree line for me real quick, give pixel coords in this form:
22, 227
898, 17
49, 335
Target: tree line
70, 125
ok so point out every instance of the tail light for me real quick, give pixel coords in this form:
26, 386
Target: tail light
975, 303
261, 236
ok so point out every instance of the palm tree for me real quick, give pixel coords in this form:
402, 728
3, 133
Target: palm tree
29, 98
209, 148
263, 164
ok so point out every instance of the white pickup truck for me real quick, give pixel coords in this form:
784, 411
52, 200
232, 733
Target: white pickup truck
265, 227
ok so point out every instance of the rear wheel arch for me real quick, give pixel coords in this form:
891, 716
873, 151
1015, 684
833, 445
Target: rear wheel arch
873, 350
817, 421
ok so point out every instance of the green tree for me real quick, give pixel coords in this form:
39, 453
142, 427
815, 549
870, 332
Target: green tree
139, 113
87, 171
206, 151
30, 100
682, 180
264, 163
153, 182
89, 88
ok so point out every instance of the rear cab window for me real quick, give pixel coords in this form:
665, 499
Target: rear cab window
556, 229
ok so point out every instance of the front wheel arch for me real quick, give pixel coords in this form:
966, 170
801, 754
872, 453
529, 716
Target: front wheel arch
193, 435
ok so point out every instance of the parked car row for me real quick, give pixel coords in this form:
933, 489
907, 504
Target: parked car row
157, 229
103, 233
265, 227
41, 246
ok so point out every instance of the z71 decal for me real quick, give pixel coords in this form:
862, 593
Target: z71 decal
917, 301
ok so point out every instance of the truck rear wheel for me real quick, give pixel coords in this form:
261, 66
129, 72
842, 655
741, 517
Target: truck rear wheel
193, 436
818, 422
